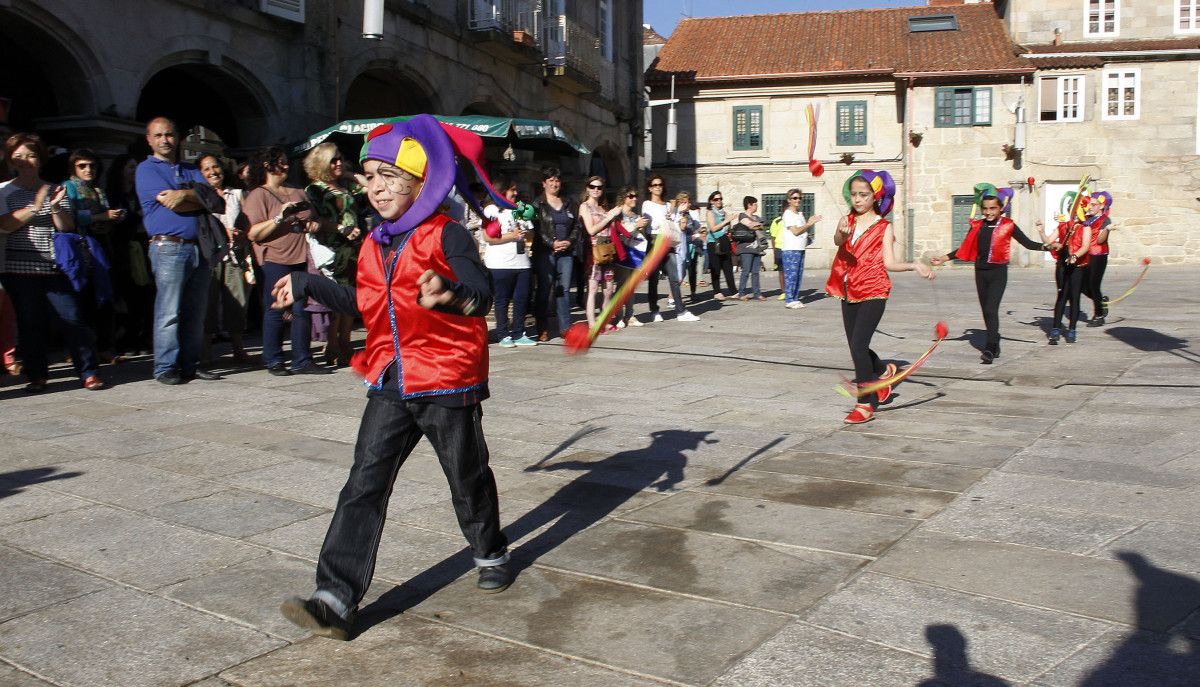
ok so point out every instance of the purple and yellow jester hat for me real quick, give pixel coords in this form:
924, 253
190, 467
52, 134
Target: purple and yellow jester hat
427, 149
881, 185
986, 190
1105, 199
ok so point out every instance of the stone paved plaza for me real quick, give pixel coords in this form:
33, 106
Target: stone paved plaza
686, 507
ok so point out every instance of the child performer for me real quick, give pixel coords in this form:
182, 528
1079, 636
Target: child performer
423, 294
859, 278
1071, 245
1098, 207
987, 244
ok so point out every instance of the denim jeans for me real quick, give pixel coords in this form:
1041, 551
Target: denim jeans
751, 264
272, 332
180, 305
38, 300
793, 272
511, 286
554, 286
390, 428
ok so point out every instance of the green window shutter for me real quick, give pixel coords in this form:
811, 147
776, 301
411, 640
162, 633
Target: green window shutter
983, 107
772, 205
962, 107
808, 204
960, 219
852, 123
747, 127
943, 98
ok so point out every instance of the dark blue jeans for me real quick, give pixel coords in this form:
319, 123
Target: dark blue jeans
751, 263
272, 333
511, 286
38, 300
390, 428
180, 305
553, 286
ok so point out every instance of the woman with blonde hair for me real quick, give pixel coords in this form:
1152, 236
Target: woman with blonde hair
334, 194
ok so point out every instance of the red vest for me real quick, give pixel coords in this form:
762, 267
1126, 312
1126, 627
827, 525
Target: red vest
1098, 248
858, 273
1074, 243
434, 352
998, 252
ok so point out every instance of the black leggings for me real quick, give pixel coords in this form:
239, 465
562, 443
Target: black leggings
1070, 282
718, 265
1093, 275
860, 320
990, 283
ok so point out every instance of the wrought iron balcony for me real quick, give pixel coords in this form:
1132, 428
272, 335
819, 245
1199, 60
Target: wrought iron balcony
573, 51
516, 20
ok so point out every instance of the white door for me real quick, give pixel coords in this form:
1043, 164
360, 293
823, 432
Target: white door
1052, 194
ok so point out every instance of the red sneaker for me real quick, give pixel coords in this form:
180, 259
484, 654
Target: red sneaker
862, 413
886, 392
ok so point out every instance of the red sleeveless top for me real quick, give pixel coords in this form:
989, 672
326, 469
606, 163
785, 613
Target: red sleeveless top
998, 252
434, 352
1070, 234
857, 273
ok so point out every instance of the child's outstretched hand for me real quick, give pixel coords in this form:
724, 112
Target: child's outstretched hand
434, 291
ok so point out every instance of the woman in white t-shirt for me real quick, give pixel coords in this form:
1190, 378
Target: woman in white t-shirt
794, 239
507, 257
656, 208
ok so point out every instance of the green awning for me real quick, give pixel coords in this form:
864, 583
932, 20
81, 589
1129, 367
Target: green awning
523, 134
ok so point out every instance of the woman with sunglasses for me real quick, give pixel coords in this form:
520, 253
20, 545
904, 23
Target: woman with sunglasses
596, 216
94, 217
633, 234
795, 239
656, 208
335, 194
720, 248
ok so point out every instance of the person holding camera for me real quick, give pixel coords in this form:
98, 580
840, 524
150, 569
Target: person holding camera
280, 216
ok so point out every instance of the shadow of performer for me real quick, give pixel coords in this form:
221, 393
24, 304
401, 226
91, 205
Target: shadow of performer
1162, 659
601, 488
15, 482
951, 666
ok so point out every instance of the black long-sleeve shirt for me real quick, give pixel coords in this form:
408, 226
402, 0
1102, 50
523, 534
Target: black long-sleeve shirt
984, 242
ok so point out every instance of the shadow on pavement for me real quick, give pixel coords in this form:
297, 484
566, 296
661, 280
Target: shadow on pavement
601, 487
15, 482
1144, 339
951, 665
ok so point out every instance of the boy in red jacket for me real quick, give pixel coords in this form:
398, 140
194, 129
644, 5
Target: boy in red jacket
423, 294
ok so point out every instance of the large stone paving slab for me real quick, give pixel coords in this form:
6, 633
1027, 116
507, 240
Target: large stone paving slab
1136, 593
119, 638
235, 513
902, 473
615, 624
860, 441
999, 521
703, 565
29, 583
136, 487
1123, 658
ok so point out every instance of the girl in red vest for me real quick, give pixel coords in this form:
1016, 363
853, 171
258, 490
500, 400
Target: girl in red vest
988, 245
423, 294
859, 278
1098, 207
1071, 245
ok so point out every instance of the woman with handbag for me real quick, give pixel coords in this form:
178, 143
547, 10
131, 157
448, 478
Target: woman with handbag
230, 289
747, 233
506, 257
720, 247
601, 273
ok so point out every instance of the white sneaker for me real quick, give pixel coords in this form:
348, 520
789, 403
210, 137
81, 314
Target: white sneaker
687, 316
620, 324
670, 302
657, 317
635, 322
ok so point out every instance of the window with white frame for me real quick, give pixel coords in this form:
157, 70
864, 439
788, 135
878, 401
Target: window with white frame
1101, 17
1187, 16
1060, 99
606, 25
1122, 93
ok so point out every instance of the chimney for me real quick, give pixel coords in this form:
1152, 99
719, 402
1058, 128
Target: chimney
1058, 36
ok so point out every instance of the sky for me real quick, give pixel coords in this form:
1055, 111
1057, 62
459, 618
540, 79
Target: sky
663, 15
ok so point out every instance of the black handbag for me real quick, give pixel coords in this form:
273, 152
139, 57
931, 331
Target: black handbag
721, 245
742, 233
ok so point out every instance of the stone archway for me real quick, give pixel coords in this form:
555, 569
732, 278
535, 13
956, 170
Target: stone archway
385, 92
194, 93
608, 162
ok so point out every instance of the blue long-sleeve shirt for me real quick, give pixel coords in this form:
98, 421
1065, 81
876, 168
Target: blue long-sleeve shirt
155, 176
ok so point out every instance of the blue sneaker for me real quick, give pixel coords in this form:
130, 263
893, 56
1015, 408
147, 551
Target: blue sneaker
524, 341
1070, 336
507, 342
1054, 334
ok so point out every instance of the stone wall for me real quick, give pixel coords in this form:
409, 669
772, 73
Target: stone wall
1034, 21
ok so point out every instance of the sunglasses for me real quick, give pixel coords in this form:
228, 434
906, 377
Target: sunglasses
656, 184
631, 195
593, 186
718, 200
84, 165
794, 198
336, 159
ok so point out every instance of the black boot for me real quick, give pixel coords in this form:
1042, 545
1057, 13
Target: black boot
494, 578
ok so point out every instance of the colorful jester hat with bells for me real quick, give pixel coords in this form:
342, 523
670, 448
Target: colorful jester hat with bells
428, 150
986, 190
1105, 199
882, 187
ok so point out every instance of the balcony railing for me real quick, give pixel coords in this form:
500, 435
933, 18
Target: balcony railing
507, 17
570, 45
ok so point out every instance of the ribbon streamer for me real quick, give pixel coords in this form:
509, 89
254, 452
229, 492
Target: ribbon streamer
850, 390
578, 338
1145, 269
814, 165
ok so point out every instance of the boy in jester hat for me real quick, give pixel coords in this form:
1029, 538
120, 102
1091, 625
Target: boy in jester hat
423, 294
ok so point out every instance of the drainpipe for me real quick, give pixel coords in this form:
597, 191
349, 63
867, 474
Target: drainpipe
906, 146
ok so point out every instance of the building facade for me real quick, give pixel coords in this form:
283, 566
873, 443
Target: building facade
945, 98
260, 72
